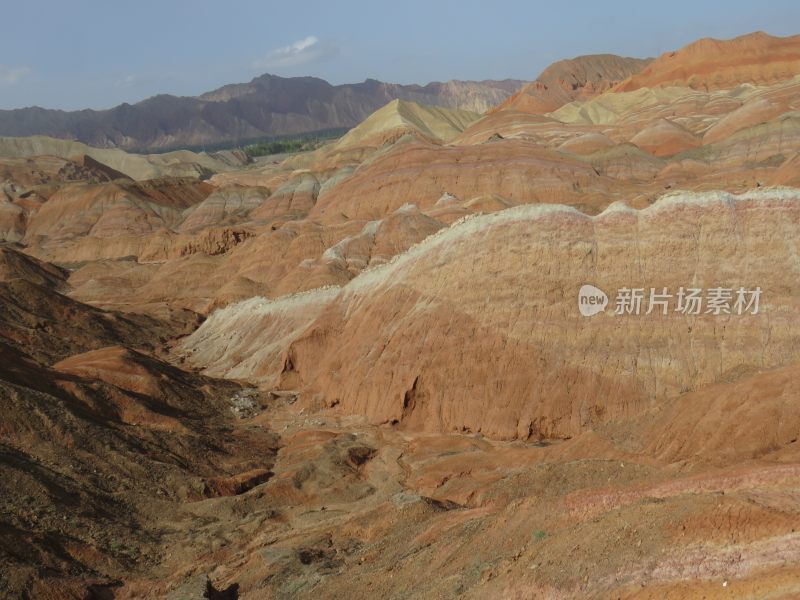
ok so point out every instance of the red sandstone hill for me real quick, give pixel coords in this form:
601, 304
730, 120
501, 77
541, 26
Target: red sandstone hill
574, 79
709, 64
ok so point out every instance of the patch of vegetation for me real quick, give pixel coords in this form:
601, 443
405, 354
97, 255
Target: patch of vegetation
321, 135
303, 475
276, 147
279, 147
539, 535
291, 145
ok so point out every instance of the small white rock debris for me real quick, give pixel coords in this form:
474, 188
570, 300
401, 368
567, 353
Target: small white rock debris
245, 403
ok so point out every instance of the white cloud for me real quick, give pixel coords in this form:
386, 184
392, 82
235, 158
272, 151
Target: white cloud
301, 52
126, 81
12, 75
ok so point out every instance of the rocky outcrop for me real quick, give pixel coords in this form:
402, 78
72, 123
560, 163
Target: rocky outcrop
14, 265
249, 339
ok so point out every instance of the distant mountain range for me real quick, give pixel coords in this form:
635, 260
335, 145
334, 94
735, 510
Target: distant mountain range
266, 106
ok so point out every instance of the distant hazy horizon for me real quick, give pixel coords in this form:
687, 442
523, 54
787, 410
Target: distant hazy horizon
90, 54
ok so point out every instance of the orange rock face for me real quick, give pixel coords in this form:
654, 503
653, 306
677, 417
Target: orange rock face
710, 64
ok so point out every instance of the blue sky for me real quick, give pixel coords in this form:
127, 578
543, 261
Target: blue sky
88, 53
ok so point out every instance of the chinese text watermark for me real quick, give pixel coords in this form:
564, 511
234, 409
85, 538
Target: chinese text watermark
683, 300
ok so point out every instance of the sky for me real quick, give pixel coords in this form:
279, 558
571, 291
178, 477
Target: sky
97, 54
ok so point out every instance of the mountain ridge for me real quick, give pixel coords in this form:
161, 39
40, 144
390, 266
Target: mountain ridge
266, 106
578, 78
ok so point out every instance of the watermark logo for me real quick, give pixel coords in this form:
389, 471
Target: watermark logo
591, 300
685, 300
